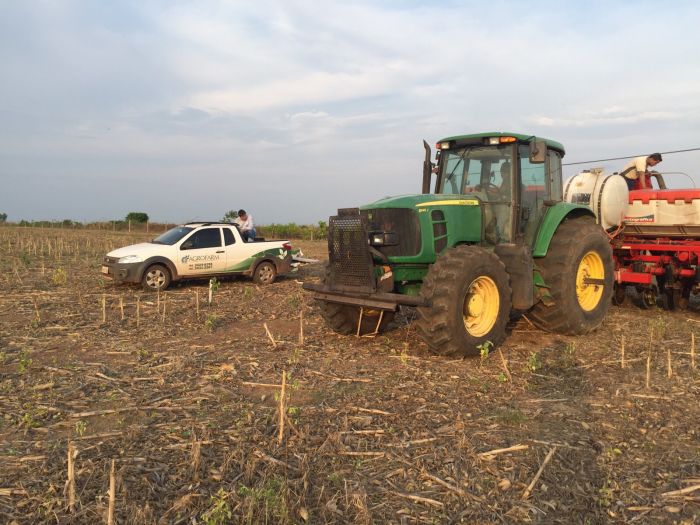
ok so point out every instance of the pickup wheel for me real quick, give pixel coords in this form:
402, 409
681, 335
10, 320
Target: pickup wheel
156, 278
265, 273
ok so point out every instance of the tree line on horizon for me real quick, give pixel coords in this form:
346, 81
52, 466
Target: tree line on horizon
139, 221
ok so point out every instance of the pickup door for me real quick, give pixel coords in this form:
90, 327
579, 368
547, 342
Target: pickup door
202, 253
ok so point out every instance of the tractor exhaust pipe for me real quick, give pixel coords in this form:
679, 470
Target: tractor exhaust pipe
427, 168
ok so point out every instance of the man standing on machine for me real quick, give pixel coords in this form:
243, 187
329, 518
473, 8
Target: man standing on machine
635, 173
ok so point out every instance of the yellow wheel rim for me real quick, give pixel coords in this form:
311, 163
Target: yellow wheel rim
481, 306
588, 294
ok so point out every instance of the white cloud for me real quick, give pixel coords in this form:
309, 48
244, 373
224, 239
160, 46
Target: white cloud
300, 94
610, 116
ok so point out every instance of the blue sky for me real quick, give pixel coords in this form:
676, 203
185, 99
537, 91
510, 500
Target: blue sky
292, 109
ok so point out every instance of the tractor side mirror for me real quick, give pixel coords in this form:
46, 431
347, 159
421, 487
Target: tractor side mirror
538, 151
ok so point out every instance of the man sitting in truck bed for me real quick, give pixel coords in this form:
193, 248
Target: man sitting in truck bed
246, 226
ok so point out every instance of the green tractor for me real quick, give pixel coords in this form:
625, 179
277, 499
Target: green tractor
494, 240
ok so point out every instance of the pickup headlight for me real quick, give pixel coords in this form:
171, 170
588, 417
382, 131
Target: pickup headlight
131, 259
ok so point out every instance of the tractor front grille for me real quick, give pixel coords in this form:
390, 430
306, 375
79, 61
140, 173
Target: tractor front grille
402, 221
348, 252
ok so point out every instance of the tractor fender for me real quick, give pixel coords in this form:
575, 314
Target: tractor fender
553, 217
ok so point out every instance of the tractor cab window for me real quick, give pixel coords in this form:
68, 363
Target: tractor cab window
486, 172
476, 169
534, 191
554, 174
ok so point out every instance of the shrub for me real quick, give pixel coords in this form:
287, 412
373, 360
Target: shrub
137, 217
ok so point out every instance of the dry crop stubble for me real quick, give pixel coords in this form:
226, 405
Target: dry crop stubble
375, 429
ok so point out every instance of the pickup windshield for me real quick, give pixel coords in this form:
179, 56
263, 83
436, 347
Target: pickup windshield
172, 236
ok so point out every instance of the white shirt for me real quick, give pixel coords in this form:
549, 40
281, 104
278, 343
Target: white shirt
247, 224
634, 168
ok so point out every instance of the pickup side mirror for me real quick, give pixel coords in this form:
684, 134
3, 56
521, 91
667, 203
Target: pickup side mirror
538, 151
187, 245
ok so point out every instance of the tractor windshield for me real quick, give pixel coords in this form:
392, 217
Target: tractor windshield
487, 172
474, 169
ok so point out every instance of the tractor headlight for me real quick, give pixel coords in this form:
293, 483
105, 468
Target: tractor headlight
383, 239
131, 259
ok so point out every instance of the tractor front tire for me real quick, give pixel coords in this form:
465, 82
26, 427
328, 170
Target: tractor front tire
344, 318
469, 301
579, 251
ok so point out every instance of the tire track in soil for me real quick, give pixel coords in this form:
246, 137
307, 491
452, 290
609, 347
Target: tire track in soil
573, 475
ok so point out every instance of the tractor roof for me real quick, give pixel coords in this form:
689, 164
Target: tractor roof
519, 136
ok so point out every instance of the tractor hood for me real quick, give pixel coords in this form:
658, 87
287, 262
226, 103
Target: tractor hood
426, 224
423, 201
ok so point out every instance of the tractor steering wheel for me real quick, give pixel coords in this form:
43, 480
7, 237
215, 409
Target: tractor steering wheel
489, 188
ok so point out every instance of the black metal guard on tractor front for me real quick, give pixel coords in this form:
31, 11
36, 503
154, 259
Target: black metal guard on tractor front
349, 257
376, 301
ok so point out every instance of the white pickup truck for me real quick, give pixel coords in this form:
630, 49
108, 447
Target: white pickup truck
197, 250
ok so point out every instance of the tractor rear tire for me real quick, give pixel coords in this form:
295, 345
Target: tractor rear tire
469, 297
578, 250
344, 318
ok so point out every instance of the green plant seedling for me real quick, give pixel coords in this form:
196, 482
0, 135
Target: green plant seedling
484, 349
533, 362
59, 277
210, 322
220, 512
24, 361
80, 427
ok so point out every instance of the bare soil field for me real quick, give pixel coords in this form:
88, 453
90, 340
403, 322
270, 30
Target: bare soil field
120, 405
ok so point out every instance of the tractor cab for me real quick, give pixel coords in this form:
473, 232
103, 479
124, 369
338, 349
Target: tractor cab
515, 177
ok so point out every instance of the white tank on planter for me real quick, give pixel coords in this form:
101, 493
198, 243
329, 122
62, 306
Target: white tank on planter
607, 195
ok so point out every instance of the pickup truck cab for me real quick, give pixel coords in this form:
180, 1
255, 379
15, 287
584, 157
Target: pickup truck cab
197, 250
